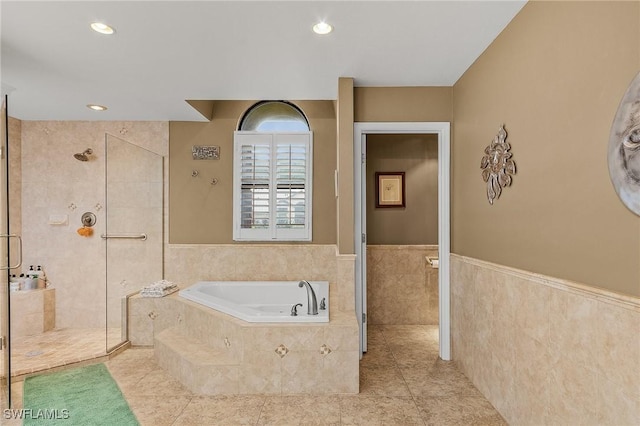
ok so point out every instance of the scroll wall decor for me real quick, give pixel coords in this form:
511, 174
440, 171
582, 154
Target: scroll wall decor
624, 148
497, 165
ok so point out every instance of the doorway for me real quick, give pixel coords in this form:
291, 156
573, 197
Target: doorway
442, 131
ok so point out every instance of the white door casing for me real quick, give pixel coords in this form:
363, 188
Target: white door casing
442, 129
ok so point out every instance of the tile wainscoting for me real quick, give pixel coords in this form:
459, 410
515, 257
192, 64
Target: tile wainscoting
402, 288
545, 350
187, 264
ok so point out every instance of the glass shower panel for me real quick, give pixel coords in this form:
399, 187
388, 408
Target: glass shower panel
5, 373
134, 228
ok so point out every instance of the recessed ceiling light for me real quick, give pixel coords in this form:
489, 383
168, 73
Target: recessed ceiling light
101, 28
322, 28
97, 107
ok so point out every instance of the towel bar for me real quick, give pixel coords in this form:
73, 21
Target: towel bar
123, 236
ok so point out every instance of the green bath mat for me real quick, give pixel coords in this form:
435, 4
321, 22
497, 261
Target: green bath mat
82, 396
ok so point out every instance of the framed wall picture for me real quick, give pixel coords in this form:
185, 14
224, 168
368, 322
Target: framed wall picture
390, 189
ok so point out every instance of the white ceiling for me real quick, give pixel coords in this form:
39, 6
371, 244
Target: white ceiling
166, 52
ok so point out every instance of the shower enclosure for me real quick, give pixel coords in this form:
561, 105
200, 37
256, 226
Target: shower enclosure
134, 224
90, 211
5, 361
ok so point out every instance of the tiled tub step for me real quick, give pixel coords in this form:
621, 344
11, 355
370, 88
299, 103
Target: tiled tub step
212, 353
202, 369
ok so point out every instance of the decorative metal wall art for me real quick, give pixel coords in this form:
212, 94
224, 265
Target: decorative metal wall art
497, 165
205, 152
624, 148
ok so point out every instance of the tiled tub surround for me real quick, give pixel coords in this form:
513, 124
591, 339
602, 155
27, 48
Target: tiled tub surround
402, 288
544, 350
213, 353
186, 264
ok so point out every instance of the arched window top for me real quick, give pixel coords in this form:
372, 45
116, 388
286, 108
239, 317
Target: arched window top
274, 116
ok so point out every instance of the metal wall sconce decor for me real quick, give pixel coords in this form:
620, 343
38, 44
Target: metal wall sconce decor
205, 152
624, 148
497, 165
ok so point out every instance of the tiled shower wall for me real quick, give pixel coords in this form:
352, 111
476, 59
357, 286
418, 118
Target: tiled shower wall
56, 184
402, 288
15, 181
545, 350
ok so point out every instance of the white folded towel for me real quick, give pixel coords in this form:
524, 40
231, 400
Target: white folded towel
159, 289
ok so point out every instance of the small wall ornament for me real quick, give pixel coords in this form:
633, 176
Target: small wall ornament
205, 152
497, 165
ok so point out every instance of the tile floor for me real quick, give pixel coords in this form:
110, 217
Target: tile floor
57, 348
402, 382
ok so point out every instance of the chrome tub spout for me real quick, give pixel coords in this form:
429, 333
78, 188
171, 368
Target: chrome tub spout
312, 302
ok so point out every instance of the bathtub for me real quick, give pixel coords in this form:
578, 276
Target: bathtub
260, 301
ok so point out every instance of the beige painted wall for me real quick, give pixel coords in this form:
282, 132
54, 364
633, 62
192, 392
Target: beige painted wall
378, 104
345, 205
555, 77
201, 213
382, 104
417, 157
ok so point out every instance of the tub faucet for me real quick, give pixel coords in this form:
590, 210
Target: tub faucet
312, 302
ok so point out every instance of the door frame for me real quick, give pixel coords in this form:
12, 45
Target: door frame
442, 130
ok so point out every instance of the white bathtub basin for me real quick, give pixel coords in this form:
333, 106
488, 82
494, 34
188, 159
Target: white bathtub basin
260, 301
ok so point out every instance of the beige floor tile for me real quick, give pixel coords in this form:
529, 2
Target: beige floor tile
56, 348
378, 356
374, 334
403, 382
130, 367
378, 410
415, 357
458, 410
157, 410
17, 389
443, 379
221, 410
300, 410
156, 383
401, 334
382, 381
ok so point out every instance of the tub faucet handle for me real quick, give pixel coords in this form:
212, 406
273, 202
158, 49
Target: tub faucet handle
323, 304
294, 309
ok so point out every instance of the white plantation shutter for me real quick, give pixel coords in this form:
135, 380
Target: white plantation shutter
255, 177
272, 186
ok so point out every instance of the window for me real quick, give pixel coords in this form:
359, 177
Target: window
272, 186
274, 116
272, 174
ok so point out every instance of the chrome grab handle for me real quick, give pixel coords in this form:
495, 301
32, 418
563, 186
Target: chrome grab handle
19, 264
123, 236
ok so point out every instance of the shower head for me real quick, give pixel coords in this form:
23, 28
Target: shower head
84, 156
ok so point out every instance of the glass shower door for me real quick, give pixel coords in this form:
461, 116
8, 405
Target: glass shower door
134, 228
10, 252
5, 362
